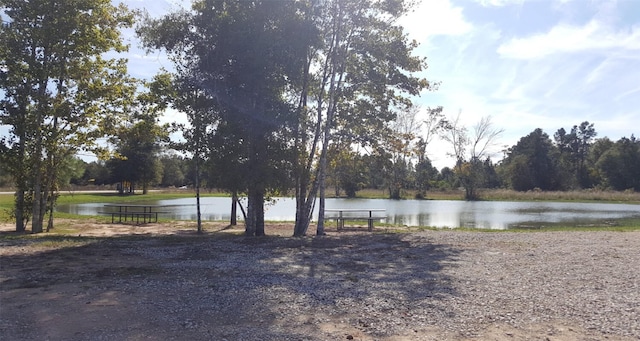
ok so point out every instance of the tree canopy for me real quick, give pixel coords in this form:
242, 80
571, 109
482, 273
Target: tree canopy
60, 92
283, 78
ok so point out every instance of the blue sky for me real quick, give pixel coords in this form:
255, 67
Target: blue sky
532, 64
546, 64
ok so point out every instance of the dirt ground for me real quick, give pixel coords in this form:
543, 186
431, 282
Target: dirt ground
72, 284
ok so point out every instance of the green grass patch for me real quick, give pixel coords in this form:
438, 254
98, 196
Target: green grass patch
60, 243
82, 198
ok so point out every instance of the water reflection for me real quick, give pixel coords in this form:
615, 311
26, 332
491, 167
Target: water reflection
438, 213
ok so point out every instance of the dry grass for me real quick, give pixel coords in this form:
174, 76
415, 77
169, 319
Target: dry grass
578, 195
586, 195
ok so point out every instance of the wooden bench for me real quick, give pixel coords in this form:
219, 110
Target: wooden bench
130, 212
354, 214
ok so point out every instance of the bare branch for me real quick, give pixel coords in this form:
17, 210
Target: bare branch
485, 136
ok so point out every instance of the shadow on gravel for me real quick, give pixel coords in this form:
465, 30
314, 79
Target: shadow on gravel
368, 281
214, 288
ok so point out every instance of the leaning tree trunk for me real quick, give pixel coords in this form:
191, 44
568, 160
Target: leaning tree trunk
305, 197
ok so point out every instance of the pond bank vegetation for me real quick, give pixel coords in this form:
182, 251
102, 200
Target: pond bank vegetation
588, 195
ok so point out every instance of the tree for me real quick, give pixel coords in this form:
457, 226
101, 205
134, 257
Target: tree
6, 179
425, 172
58, 88
173, 170
72, 170
139, 138
599, 147
375, 164
138, 147
574, 148
96, 173
470, 150
620, 165
402, 145
449, 178
533, 163
242, 56
345, 170
201, 113
358, 73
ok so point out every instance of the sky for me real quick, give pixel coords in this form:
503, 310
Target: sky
532, 64
546, 64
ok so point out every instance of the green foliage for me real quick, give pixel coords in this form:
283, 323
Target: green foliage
138, 139
361, 74
620, 165
60, 93
533, 163
173, 171
138, 148
574, 151
576, 160
346, 171
426, 175
71, 170
95, 173
234, 61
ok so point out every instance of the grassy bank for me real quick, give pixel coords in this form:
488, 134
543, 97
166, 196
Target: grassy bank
576, 196
511, 195
7, 200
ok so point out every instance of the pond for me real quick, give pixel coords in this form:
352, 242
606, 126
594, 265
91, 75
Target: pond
437, 213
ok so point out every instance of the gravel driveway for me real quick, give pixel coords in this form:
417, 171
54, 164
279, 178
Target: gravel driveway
433, 285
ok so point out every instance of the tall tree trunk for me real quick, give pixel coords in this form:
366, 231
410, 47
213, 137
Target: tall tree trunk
305, 197
50, 221
322, 177
250, 221
337, 66
331, 111
20, 203
36, 222
51, 174
51, 196
37, 216
255, 212
257, 156
234, 209
260, 213
38, 207
199, 216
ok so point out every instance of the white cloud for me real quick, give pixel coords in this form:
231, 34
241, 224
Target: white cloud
435, 17
499, 3
627, 93
594, 36
554, 78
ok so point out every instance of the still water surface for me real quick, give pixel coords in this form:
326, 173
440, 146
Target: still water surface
437, 213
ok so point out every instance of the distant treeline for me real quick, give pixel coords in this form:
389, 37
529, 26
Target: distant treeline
568, 161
